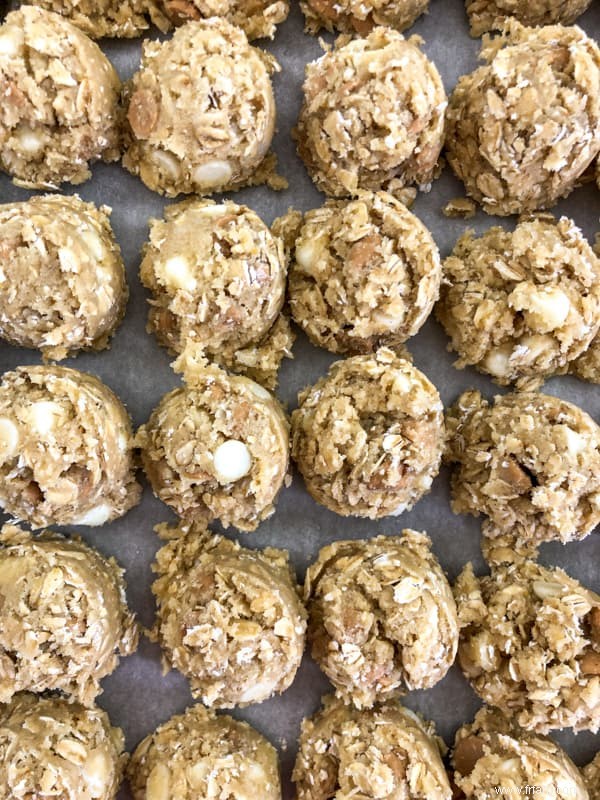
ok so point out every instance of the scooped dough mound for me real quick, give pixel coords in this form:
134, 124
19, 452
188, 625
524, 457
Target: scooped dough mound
199, 754
530, 645
522, 128
385, 752
217, 448
373, 115
64, 618
587, 366
357, 16
100, 18
530, 463
257, 18
493, 752
368, 436
201, 111
521, 305
364, 274
230, 619
591, 775
489, 15
217, 277
63, 285
65, 449
60, 101
51, 748
382, 619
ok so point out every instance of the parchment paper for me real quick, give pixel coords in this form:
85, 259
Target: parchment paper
137, 696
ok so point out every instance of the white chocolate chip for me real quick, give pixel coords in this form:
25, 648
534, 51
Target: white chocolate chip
545, 307
167, 163
258, 391
30, 141
306, 255
10, 43
212, 173
9, 438
43, 416
94, 244
179, 275
68, 260
158, 783
232, 460
95, 516
497, 362
96, 772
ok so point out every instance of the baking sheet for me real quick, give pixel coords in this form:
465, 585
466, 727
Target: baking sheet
137, 696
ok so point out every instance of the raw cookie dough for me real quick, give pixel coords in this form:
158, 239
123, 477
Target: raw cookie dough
530, 645
591, 775
60, 101
65, 449
217, 448
587, 366
64, 618
51, 748
385, 752
62, 284
523, 128
493, 752
257, 18
230, 619
368, 437
201, 112
357, 16
373, 115
217, 277
200, 755
365, 273
521, 305
100, 18
489, 15
382, 619
530, 463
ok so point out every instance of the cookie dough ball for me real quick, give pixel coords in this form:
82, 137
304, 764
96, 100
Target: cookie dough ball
217, 448
198, 754
365, 274
489, 15
387, 751
43, 582
522, 128
65, 289
591, 775
228, 618
201, 111
530, 462
52, 748
382, 617
352, 16
60, 101
368, 436
257, 19
217, 277
587, 365
65, 449
494, 752
530, 645
373, 115
521, 305
100, 18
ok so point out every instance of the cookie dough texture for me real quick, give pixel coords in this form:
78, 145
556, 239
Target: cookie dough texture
493, 752
64, 618
530, 463
521, 305
354, 16
201, 112
65, 449
217, 277
587, 365
258, 18
524, 127
373, 115
62, 285
201, 755
368, 436
60, 101
230, 619
489, 15
101, 18
591, 775
217, 448
364, 274
385, 752
51, 748
382, 619
530, 645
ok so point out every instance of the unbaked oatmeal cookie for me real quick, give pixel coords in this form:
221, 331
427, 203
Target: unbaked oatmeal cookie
382, 619
591, 775
100, 18
489, 15
257, 18
360, 16
587, 365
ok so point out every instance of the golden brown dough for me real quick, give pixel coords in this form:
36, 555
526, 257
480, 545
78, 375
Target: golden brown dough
488, 15
100, 18
257, 18
591, 775
360, 16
